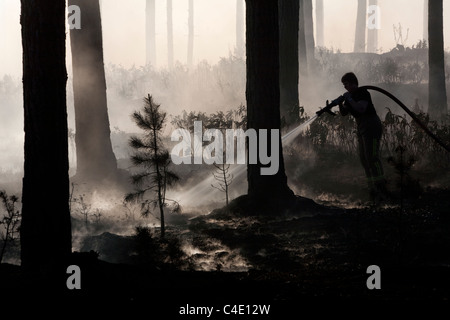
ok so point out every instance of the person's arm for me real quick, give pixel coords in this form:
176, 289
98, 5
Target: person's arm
343, 110
359, 106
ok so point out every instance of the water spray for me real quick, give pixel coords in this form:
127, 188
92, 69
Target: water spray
199, 193
196, 194
341, 99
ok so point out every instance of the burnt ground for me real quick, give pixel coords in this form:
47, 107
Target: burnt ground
312, 255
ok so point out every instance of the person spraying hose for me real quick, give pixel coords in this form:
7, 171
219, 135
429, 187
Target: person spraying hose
358, 102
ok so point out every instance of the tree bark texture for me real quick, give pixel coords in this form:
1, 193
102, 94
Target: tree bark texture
437, 95
289, 28
263, 95
46, 228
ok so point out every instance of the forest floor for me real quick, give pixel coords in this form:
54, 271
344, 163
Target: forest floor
297, 260
315, 253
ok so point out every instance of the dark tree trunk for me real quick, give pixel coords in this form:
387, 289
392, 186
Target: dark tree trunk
240, 42
190, 55
437, 95
289, 23
320, 24
46, 229
95, 158
150, 32
263, 97
169, 34
302, 57
360, 29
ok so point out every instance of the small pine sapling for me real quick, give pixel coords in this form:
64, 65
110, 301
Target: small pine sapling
152, 156
223, 178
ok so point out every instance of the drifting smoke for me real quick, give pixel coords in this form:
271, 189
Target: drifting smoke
216, 82
207, 87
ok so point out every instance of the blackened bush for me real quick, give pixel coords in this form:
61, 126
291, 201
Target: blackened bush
146, 247
152, 251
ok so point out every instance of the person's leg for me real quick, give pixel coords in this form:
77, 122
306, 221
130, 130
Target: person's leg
373, 156
375, 167
365, 163
363, 156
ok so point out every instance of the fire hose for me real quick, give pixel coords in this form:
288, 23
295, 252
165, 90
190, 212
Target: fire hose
341, 99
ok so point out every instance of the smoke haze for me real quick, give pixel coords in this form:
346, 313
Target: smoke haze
214, 27
212, 85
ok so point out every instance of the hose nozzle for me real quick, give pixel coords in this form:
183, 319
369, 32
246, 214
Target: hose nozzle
328, 106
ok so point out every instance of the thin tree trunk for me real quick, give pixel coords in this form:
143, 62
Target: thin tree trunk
96, 161
240, 42
159, 177
320, 24
302, 56
191, 34
309, 33
437, 95
289, 29
159, 180
263, 98
360, 31
226, 182
372, 33
150, 30
46, 239
425, 20
169, 34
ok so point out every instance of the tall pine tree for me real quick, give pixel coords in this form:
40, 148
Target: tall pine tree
169, 34
263, 99
240, 26
46, 229
96, 161
360, 28
150, 32
289, 64
190, 53
437, 94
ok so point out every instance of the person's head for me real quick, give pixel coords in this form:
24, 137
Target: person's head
350, 81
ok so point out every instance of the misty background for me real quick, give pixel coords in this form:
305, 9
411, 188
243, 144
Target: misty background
124, 29
213, 62
215, 82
